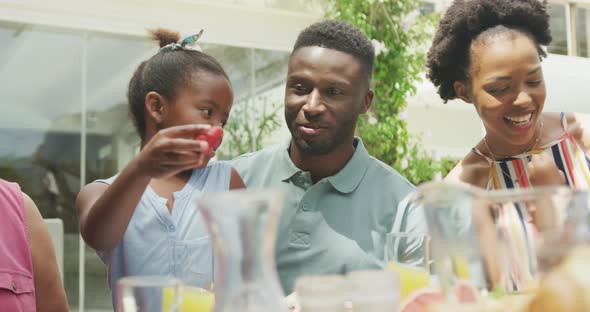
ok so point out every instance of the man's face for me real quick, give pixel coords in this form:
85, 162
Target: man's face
326, 91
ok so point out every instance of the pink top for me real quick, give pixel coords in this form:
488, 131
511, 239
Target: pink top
17, 290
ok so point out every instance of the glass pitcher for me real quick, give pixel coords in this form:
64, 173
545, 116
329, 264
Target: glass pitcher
499, 241
242, 225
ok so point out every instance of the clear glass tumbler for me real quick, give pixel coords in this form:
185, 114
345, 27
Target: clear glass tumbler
149, 294
412, 275
499, 241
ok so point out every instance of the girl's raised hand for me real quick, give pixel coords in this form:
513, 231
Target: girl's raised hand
174, 150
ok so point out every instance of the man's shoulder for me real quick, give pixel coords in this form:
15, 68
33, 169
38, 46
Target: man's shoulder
380, 173
382, 194
257, 168
254, 157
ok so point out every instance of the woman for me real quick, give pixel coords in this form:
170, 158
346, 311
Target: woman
29, 276
488, 53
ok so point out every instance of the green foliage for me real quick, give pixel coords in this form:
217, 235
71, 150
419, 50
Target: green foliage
258, 78
401, 36
251, 124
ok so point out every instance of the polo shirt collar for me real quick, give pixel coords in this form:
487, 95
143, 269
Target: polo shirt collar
345, 181
288, 168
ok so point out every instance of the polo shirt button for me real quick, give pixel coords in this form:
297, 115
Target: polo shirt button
171, 228
305, 207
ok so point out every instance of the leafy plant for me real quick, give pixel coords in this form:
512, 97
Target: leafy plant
401, 36
258, 80
251, 124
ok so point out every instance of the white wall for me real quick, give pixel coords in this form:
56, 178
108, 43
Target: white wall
225, 23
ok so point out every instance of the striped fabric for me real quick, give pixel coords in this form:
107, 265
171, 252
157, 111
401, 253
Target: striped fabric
513, 219
512, 172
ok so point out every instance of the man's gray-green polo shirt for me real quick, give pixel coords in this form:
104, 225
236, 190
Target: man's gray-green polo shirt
331, 226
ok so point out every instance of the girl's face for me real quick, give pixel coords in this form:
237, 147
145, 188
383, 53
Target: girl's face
207, 99
507, 88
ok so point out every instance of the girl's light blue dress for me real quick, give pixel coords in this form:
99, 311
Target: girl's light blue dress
176, 244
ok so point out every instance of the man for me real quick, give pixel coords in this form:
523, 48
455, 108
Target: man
340, 200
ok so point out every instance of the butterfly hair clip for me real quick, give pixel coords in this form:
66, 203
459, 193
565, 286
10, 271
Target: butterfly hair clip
187, 43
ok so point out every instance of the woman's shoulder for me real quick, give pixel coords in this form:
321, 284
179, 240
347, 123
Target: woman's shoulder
576, 118
12, 200
578, 125
473, 169
577, 122
571, 120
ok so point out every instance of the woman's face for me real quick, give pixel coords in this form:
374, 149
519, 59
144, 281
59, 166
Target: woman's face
507, 89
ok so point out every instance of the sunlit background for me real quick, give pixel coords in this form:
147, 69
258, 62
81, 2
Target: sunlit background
65, 65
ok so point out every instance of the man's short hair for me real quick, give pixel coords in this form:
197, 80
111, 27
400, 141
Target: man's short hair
340, 36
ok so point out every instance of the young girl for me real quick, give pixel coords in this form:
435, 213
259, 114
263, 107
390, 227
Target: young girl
143, 221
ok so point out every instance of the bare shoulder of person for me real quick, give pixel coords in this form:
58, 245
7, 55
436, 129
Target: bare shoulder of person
49, 290
89, 194
579, 128
94, 188
552, 128
473, 169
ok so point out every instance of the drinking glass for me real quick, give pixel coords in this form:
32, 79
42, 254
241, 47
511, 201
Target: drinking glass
413, 273
374, 290
149, 294
196, 299
499, 241
197, 295
326, 293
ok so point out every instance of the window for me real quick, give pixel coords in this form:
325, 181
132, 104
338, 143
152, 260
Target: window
43, 112
40, 126
559, 19
557, 24
582, 14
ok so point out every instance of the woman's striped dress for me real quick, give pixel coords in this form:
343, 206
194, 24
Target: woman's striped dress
512, 173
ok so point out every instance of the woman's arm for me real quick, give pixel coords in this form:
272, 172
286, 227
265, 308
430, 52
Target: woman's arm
578, 127
49, 289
